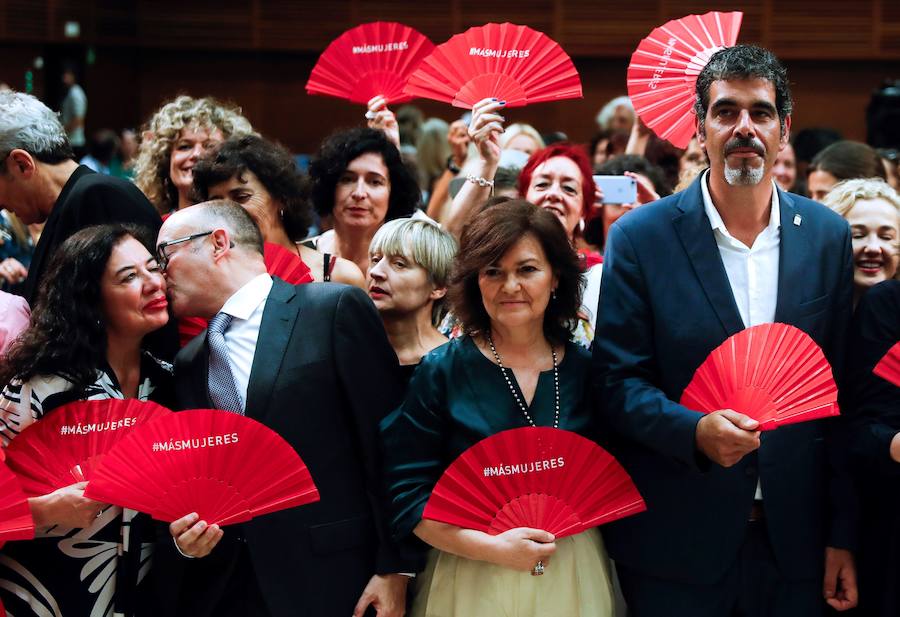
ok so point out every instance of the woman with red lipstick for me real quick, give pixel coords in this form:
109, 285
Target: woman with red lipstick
359, 180
872, 208
410, 262
103, 293
177, 135
515, 288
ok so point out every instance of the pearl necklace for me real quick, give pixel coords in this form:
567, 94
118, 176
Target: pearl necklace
515, 394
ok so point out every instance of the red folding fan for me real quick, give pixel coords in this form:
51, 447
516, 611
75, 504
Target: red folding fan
226, 467
504, 61
537, 477
889, 366
68, 443
286, 265
189, 327
774, 373
15, 514
665, 66
370, 60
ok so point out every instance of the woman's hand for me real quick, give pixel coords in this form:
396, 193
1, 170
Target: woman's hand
194, 537
66, 507
645, 191
383, 119
521, 548
12, 271
485, 129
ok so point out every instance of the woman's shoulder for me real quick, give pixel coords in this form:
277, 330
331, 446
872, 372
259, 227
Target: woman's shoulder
577, 356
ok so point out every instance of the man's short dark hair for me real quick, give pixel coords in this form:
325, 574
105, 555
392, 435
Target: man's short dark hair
744, 62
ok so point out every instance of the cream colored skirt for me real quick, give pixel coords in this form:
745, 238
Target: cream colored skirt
576, 583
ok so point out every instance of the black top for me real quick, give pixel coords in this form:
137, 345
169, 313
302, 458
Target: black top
88, 198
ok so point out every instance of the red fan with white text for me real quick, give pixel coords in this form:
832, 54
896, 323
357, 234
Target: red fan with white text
774, 373
226, 467
538, 477
889, 366
664, 69
370, 60
69, 442
504, 61
286, 265
15, 514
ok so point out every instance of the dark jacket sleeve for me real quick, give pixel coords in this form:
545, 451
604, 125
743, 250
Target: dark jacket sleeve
412, 438
629, 401
369, 373
842, 492
870, 403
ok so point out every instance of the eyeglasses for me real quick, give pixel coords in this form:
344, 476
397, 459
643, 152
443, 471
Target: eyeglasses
162, 256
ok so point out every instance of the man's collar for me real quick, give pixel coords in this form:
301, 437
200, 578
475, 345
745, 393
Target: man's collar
246, 299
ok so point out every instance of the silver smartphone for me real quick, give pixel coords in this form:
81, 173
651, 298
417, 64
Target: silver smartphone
617, 189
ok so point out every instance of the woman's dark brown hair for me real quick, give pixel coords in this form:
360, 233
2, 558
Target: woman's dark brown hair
487, 237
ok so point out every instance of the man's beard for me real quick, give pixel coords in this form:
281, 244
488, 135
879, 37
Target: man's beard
746, 174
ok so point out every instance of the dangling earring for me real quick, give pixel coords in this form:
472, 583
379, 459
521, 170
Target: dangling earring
553, 295
281, 214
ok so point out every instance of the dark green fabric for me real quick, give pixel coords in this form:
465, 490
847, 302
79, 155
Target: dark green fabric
456, 398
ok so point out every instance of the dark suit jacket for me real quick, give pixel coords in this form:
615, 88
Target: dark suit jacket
88, 198
665, 303
323, 376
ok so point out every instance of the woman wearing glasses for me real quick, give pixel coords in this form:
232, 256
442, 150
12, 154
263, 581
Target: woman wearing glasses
102, 295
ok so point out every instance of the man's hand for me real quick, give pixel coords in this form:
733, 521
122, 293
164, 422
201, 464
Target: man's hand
387, 594
840, 579
726, 436
194, 537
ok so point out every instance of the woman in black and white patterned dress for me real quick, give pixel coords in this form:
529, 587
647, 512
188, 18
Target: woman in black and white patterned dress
103, 293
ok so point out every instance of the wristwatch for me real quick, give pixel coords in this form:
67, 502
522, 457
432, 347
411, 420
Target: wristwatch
451, 165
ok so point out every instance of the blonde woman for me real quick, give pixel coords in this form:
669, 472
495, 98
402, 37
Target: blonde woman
407, 280
872, 208
174, 139
522, 137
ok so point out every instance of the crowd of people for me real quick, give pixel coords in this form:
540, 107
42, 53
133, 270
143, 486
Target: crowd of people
464, 278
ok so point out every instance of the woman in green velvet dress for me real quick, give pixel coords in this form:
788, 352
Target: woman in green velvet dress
516, 288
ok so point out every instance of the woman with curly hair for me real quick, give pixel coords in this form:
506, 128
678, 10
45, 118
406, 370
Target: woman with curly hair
103, 293
263, 178
174, 139
359, 181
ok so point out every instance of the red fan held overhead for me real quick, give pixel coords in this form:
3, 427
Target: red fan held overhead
664, 69
15, 514
286, 265
774, 373
538, 477
504, 61
68, 443
889, 366
374, 59
226, 467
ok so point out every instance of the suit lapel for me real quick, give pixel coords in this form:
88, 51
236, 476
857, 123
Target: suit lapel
696, 235
196, 369
275, 330
793, 272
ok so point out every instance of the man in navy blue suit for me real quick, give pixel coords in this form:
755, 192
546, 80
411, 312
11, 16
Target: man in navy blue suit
739, 522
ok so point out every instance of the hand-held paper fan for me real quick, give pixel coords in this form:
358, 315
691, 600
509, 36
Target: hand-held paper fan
664, 69
67, 444
774, 373
889, 366
226, 467
15, 514
189, 327
285, 265
370, 60
537, 477
504, 61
